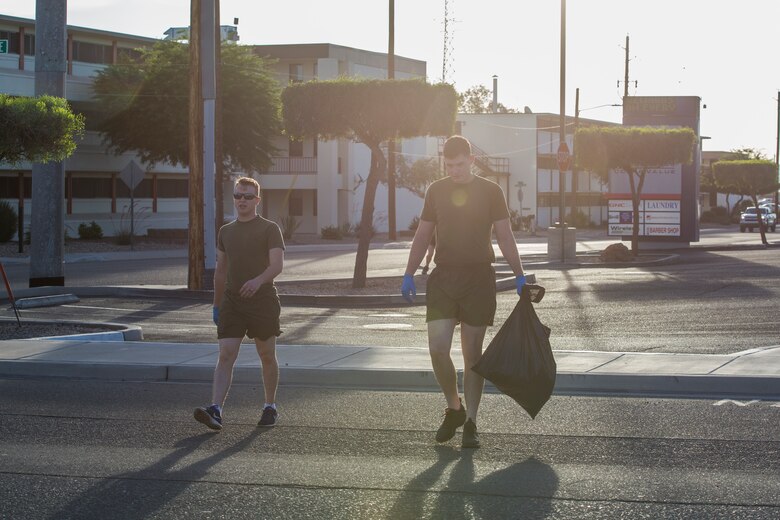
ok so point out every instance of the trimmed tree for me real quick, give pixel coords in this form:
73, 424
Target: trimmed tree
145, 104
634, 150
369, 112
37, 129
750, 178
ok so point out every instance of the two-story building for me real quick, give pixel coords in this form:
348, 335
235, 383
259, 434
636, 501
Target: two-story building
318, 182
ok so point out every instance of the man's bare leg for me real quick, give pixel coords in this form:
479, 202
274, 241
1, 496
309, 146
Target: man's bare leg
471, 339
223, 373
266, 349
439, 345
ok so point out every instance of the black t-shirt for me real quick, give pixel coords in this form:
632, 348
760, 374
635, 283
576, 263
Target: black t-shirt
464, 215
247, 245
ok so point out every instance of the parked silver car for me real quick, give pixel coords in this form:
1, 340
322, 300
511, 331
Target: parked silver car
749, 219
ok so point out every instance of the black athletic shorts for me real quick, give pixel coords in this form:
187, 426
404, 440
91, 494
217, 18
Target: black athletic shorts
466, 293
257, 318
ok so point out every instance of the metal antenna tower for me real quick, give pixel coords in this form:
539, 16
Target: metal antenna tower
446, 62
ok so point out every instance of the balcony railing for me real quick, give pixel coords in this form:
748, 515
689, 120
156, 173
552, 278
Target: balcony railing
293, 165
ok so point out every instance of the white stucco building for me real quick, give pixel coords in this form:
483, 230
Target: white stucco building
317, 182
521, 149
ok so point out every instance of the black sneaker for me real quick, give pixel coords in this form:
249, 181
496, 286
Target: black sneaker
210, 416
269, 417
470, 435
425, 270
453, 419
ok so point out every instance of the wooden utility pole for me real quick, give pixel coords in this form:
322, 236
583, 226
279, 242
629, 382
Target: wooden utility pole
777, 151
391, 218
219, 172
195, 237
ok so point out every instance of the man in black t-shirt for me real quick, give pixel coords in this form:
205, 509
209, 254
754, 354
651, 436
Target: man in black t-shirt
464, 210
250, 254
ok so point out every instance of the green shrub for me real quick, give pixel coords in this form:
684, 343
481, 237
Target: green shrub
719, 211
91, 231
346, 229
289, 224
579, 220
514, 220
8, 221
331, 233
123, 237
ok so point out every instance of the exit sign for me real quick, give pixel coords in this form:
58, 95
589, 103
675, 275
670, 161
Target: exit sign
3, 46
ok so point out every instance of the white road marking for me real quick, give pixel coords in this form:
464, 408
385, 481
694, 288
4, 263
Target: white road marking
388, 326
738, 403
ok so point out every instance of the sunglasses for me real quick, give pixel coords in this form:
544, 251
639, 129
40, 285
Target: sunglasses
245, 196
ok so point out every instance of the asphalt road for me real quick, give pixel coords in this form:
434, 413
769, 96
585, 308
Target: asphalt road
80, 449
708, 302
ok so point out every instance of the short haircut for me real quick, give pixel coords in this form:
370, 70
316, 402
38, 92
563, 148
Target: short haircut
457, 145
249, 181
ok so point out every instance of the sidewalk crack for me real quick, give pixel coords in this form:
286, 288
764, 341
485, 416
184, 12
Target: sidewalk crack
345, 357
606, 363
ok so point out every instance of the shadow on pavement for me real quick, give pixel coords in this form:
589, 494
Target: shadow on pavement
529, 486
139, 494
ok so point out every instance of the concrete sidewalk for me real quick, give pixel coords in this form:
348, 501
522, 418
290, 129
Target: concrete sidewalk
752, 374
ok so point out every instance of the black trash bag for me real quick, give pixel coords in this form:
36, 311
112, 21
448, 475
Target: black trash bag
519, 360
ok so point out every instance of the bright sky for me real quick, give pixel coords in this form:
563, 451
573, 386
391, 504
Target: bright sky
722, 51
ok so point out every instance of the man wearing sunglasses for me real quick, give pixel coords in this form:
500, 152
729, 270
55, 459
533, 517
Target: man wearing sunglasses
250, 254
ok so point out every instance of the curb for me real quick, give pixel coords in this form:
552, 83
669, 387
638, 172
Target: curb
46, 301
121, 331
567, 383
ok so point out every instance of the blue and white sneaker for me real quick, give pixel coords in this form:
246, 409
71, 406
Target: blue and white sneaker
210, 416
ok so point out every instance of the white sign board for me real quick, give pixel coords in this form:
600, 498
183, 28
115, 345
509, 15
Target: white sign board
656, 217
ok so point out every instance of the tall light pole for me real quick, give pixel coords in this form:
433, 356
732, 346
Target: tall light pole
391, 219
562, 148
47, 220
202, 113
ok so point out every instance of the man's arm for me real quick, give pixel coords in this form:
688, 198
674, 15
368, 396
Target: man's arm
508, 246
220, 276
422, 237
274, 269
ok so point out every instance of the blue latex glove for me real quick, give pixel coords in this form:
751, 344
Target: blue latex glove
408, 290
520, 282
215, 315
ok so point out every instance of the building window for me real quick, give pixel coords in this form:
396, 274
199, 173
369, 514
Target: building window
172, 188
92, 52
91, 188
296, 73
13, 41
314, 203
9, 187
295, 208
